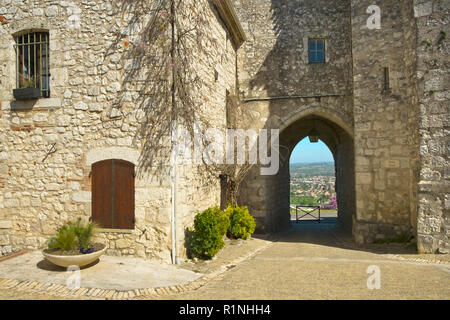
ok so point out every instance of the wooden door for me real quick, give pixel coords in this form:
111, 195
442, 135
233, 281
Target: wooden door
113, 194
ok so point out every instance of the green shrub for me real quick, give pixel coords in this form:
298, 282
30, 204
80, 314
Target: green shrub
84, 233
210, 226
73, 236
242, 224
65, 239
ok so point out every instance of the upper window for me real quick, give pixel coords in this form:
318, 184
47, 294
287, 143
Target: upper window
316, 50
32, 62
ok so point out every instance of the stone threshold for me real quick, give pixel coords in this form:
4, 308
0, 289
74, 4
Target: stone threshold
61, 291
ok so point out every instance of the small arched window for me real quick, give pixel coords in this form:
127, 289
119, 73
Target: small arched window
32, 62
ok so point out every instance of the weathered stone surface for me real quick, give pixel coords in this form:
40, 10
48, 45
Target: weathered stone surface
5, 224
432, 80
82, 197
123, 243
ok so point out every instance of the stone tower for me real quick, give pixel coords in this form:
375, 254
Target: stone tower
379, 101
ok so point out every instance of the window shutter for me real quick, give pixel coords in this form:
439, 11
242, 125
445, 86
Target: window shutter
123, 199
102, 193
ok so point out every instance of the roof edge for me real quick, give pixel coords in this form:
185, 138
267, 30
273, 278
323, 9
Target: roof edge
228, 15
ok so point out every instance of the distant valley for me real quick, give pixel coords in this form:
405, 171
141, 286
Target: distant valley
313, 183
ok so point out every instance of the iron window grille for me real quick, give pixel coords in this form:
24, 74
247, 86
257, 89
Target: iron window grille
316, 50
32, 62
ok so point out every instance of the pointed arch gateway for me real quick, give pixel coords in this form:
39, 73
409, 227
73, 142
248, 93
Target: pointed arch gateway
270, 204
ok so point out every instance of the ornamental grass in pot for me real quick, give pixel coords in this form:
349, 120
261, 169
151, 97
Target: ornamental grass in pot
73, 245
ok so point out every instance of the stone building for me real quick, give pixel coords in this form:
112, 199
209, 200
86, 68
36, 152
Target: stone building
377, 94
94, 146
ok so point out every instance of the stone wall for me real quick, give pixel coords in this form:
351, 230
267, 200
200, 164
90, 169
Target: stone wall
280, 89
433, 52
386, 122
273, 61
96, 111
198, 186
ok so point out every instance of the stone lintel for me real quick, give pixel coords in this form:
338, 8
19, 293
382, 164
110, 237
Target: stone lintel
124, 153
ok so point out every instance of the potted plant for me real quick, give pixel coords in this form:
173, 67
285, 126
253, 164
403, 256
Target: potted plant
27, 90
72, 245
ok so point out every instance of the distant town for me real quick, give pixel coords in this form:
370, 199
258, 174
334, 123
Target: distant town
313, 184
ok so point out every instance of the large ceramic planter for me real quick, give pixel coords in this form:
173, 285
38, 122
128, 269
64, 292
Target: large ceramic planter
79, 260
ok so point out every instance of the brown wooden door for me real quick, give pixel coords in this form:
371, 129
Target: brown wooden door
113, 194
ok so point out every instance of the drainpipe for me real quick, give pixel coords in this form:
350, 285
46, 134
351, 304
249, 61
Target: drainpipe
173, 174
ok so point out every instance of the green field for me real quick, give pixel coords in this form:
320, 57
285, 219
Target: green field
308, 200
306, 170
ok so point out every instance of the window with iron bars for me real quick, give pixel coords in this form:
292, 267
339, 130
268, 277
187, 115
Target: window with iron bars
32, 62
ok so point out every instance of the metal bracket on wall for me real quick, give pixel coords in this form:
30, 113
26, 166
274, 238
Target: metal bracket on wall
386, 76
52, 150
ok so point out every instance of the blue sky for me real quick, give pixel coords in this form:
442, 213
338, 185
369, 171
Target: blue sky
305, 151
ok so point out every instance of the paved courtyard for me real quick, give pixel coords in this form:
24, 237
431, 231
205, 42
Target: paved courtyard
109, 273
311, 261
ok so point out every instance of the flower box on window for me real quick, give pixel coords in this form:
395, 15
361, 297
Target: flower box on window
27, 93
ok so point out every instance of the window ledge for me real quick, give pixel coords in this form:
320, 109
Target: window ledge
41, 103
107, 230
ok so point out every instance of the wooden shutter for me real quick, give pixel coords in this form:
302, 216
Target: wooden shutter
102, 193
113, 194
123, 198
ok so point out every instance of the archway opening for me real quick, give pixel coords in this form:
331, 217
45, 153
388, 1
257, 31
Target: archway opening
312, 183
340, 143
268, 197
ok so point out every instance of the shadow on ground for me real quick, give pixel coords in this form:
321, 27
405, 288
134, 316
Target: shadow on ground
48, 266
328, 233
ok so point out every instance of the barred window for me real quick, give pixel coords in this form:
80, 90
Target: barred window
32, 62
